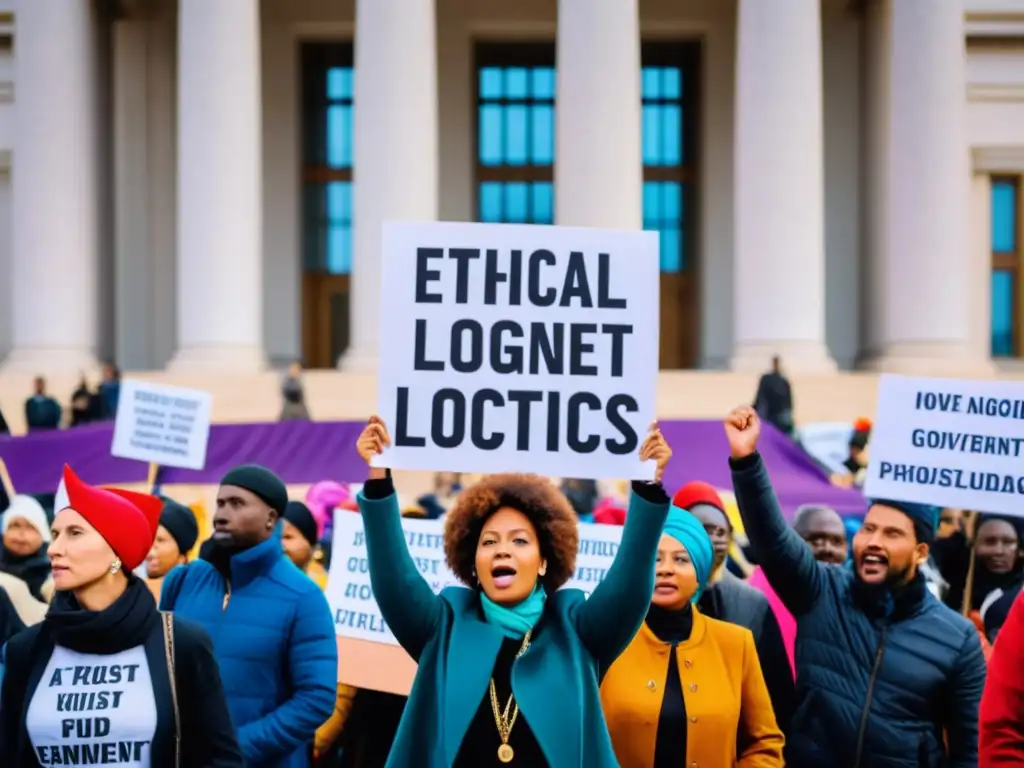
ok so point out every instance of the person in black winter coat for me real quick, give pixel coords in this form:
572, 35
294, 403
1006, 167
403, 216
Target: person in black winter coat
886, 676
106, 678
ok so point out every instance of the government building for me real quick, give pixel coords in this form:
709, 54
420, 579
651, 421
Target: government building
198, 186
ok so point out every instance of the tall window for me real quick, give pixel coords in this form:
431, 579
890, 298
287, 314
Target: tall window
668, 90
1006, 273
515, 87
327, 161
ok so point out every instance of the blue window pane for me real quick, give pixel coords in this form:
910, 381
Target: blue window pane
664, 213
339, 136
338, 258
671, 253
671, 83
491, 83
490, 135
650, 83
339, 83
490, 201
1004, 216
516, 202
544, 83
671, 135
516, 82
516, 135
543, 144
652, 205
543, 202
651, 135
1002, 313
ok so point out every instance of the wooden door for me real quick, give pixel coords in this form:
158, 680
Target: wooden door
325, 318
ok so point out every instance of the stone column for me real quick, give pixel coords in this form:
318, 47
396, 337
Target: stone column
395, 148
779, 269
55, 190
599, 167
220, 178
924, 264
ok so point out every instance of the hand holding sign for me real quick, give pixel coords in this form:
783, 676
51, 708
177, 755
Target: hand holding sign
372, 442
742, 430
656, 447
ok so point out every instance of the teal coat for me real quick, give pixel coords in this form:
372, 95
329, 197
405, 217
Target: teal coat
555, 682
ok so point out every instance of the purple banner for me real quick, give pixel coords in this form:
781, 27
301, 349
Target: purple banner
308, 452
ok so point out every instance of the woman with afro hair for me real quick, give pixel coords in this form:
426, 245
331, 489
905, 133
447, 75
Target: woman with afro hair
510, 664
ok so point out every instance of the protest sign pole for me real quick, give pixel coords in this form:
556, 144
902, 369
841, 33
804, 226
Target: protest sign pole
152, 477
5, 478
972, 530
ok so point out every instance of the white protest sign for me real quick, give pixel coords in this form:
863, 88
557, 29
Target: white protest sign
162, 424
949, 443
356, 615
518, 348
828, 442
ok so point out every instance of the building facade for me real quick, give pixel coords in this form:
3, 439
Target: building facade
200, 185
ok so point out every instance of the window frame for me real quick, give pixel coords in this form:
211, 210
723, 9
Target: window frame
505, 54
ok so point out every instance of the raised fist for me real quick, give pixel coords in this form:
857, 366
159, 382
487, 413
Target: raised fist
742, 429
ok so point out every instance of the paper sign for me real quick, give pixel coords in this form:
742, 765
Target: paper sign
828, 442
362, 632
162, 424
949, 443
518, 348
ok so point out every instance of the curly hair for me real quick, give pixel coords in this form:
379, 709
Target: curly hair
542, 503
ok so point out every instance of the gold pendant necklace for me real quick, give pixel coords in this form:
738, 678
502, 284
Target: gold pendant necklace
502, 720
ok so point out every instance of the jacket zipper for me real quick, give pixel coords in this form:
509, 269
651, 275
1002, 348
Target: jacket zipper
227, 597
867, 704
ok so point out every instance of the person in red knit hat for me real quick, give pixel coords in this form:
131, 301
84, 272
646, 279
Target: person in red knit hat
1001, 715
153, 680
729, 598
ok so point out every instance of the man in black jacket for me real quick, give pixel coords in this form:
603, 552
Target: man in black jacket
887, 676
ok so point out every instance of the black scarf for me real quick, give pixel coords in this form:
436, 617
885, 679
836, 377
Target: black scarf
671, 626
33, 569
124, 624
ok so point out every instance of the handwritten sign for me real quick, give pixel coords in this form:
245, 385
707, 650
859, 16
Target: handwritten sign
949, 443
162, 424
518, 348
363, 635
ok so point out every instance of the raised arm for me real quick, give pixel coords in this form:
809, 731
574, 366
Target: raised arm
607, 622
787, 561
406, 601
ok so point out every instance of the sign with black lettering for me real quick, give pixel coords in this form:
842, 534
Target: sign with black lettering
93, 710
163, 424
949, 443
518, 348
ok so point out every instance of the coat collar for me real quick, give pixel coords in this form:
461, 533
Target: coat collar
255, 561
697, 634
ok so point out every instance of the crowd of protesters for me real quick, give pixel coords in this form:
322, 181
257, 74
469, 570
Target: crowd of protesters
793, 643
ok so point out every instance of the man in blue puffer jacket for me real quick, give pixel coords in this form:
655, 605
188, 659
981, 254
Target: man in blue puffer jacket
271, 627
887, 675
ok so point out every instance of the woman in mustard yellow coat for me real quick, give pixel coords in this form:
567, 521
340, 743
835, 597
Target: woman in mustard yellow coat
688, 691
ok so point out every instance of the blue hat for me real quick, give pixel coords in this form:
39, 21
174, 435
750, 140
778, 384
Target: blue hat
924, 517
689, 531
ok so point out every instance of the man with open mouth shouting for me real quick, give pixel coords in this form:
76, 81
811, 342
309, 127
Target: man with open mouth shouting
887, 675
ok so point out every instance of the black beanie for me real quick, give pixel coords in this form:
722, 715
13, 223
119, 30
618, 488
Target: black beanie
262, 482
924, 517
181, 523
298, 514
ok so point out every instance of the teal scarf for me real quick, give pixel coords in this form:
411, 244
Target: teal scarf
516, 621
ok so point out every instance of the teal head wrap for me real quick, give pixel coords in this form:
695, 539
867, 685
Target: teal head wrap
689, 531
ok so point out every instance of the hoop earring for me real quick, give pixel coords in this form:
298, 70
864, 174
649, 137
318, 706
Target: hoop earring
115, 566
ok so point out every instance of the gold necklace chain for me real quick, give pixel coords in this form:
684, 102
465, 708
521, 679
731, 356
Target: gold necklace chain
502, 720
